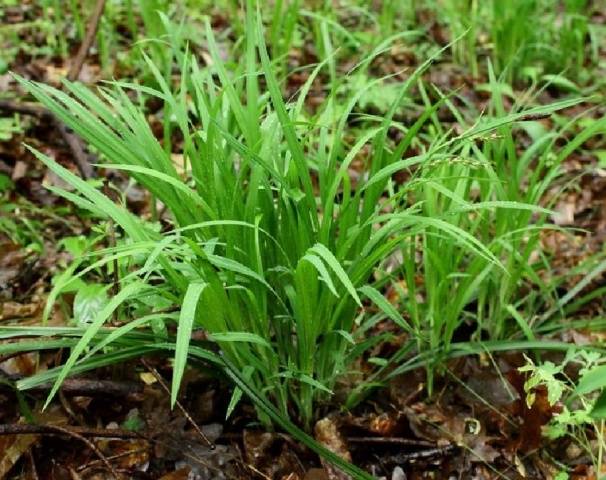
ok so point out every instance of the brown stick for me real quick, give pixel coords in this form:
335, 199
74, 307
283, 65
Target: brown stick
112, 457
91, 31
86, 387
90, 445
32, 464
421, 454
31, 109
391, 440
80, 156
75, 144
74, 474
24, 429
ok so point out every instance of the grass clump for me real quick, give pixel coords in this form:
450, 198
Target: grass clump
523, 38
272, 249
270, 246
275, 250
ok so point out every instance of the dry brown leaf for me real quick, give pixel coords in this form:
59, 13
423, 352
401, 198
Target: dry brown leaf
12, 448
327, 433
19, 171
316, 474
181, 474
12, 310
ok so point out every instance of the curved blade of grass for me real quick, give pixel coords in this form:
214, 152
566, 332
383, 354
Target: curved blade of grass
288, 128
597, 270
336, 267
387, 308
457, 233
237, 394
317, 263
463, 349
124, 218
304, 378
184, 330
178, 184
490, 204
34, 345
92, 329
245, 337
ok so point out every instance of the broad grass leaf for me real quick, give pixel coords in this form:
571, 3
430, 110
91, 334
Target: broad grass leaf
324, 275
387, 308
244, 337
305, 378
184, 330
336, 267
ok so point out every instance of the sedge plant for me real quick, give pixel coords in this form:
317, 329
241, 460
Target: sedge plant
471, 293
522, 36
271, 249
486, 187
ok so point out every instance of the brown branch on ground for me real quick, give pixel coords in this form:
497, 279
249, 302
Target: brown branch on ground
31, 109
74, 474
32, 464
391, 440
25, 429
118, 456
407, 457
86, 387
80, 156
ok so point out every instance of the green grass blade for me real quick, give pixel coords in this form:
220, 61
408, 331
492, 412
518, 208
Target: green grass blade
184, 331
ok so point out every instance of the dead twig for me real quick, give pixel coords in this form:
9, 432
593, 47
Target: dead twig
25, 429
74, 474
80, 156
118, 456
91, 31
75, 144
30, 109
409, 457
390, 441
32, 463
160, 380
86, 387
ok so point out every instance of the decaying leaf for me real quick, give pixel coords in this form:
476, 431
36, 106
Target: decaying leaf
12, 448
327, 433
